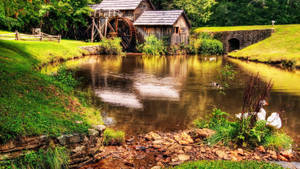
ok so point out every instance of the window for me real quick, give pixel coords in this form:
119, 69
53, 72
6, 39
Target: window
176, 30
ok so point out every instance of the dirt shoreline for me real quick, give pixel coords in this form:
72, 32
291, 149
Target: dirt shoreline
157, 149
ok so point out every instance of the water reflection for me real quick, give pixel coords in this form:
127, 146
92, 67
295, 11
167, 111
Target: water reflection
141, 94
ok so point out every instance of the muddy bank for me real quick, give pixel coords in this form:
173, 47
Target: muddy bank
171, 149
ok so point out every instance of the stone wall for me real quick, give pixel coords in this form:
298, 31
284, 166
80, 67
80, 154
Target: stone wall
245, 37
83, 148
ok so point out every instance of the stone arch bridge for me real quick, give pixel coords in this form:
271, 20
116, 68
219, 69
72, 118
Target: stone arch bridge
235, 40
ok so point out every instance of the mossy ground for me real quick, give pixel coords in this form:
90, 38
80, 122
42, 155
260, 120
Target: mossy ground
283, 45
32, 103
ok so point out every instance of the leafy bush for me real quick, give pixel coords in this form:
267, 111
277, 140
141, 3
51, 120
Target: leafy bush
289, 64
205, 44
66, 78
240, 132
278, 141
111, 46
112, 137
153, 46
55, 158
228, 164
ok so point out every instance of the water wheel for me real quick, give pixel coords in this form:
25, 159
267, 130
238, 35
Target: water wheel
123, 28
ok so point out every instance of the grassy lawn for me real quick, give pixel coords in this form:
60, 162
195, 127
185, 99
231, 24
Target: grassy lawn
228, 165
32, 103
284, 44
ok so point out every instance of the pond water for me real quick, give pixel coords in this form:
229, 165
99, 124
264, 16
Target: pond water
138, 94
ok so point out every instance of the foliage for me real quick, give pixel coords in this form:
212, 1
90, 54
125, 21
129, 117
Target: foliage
205, 44
153, 46
226, 74
111, 46
66, 78
199, 11
278, 141
112, 137
52, 158
240, 132
228, 164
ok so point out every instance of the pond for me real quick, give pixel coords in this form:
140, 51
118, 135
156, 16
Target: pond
138, 94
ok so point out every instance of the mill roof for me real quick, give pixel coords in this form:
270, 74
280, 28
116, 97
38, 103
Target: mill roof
118, 5
167, 18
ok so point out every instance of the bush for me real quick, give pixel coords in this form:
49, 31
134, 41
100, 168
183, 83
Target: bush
240, 132
111, 46
66, 78
278, 141
112, 137
205, 44
228, 164
153, 46
55, 158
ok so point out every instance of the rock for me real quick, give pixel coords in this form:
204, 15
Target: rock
240, 151
99, 128
93, 132
183, 157
62, 139
282, 158
202, 149
187, 148
287, 153
152, 136
221, 154
157, 142
156, 167
183, 138
272, 154
78, 149
156, 146
261, 149
75, 139
202, 133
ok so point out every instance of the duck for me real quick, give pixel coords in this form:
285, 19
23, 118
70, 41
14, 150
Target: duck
274, 120
261, 114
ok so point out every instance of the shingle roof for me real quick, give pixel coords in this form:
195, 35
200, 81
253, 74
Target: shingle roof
159, 17
117, 5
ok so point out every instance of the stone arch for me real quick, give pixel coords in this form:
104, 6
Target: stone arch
234, 44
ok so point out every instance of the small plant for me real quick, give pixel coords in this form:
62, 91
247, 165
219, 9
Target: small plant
226, 74
278, 141
153, 46
111, 46
288, 64
112, 137
66, 78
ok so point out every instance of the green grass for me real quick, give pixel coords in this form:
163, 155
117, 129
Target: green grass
32, 103
227, 165
112, 137
52, 158
283, 45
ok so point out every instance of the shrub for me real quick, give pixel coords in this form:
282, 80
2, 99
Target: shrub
288, 64
240, 132
228, 164
112, 137
278, 141
153, 46
205, 44
66, 78
53, 158
111, 46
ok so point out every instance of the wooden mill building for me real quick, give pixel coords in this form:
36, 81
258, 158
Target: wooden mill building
133, 20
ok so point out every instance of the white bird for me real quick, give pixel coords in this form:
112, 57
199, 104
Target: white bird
274, 121
261, 115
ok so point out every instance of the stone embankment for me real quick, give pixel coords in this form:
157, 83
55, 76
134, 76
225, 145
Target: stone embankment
83, 147
158, 150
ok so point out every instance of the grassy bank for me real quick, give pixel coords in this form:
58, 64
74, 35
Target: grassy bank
282, 46
228, 164
32, 103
